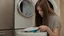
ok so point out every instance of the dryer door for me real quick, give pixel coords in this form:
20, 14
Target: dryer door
54, 6
25, 8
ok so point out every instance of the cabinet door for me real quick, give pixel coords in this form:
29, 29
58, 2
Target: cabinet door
7, 33
6, 14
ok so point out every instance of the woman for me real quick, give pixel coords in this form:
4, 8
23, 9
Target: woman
46, 19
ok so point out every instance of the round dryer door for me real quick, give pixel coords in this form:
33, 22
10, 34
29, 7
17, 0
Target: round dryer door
25, 8
53, 5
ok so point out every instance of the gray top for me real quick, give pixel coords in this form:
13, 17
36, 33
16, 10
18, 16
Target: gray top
54, 22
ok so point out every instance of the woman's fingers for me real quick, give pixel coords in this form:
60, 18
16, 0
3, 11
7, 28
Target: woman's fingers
41, 28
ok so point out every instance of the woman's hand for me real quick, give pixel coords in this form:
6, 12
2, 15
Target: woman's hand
43, 28
46, 28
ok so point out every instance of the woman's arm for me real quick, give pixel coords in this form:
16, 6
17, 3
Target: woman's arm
54, 33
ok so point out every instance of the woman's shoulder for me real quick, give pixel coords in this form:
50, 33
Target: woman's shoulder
56, 21
55, 17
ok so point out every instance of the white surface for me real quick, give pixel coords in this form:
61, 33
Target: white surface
19, 33
32, 34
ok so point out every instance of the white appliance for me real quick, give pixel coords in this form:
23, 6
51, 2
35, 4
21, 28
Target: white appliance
19, 20
23, 22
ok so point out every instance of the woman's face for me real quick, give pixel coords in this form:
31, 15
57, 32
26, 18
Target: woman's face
40, 11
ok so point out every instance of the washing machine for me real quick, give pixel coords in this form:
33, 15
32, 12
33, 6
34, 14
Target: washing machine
24, 16
24, 13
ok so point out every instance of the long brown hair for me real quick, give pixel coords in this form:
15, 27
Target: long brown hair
42, 20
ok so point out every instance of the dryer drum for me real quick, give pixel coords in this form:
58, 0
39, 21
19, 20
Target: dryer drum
25, 8
54, 6
51, 5
21, 6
